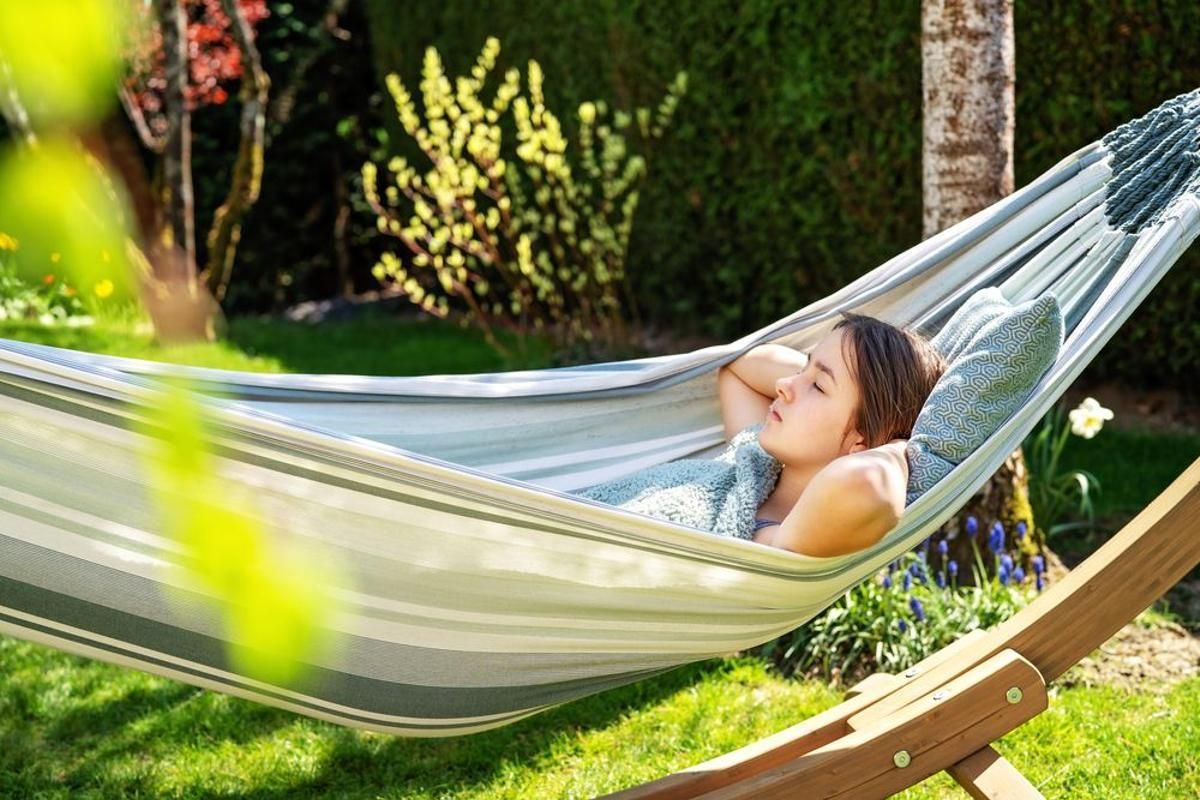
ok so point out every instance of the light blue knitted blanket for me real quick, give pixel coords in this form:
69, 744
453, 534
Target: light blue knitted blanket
719, 495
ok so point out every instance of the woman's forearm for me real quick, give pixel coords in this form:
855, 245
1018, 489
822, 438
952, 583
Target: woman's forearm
761, 366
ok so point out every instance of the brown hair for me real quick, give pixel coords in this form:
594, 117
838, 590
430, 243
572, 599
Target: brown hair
896, 370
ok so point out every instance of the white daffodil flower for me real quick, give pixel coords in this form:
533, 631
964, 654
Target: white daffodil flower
1089, 418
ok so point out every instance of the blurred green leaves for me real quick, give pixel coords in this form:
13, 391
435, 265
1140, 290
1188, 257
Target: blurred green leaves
60, 65
61, 213
276, 613
68, 218
64, 56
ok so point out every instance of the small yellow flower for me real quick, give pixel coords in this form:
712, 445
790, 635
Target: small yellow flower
103, 289
7, 242
1089, 418
55, 258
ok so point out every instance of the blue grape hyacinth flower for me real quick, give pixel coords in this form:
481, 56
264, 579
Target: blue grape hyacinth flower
1039, 565
917, 609
972, 526
1021, 529
902, 625
1018, 575
907, 581
887, 581
1006, 561
943, 547
952, 567
1002, 575
996, 538
1041, 583
941, 579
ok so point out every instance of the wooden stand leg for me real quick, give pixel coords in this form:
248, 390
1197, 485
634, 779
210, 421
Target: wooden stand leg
986, 775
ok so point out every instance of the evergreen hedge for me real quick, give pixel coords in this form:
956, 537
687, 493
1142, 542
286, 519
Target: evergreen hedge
795, 160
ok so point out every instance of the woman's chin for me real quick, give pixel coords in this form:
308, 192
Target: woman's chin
764, 441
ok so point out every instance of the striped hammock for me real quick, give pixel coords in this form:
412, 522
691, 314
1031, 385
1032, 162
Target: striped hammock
483, 590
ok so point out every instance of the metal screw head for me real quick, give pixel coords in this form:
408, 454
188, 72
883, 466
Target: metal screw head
901, 759
939, 695
1014, 695
911, 672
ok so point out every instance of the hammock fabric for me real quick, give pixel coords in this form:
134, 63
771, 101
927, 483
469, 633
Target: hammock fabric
483, 591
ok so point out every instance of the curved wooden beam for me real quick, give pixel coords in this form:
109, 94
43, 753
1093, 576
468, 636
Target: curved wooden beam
1093, 601
1067, 622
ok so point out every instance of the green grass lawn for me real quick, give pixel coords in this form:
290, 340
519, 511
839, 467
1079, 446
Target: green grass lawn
75, 728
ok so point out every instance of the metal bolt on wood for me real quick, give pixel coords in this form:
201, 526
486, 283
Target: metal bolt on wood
911, 673
1014, 695
939, 695
901, 759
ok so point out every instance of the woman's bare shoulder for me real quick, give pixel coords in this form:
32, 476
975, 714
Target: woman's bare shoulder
849, 505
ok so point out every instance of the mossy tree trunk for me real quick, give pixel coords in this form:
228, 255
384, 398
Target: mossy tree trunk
968, 78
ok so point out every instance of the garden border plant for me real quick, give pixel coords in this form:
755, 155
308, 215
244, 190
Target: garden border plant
910, 610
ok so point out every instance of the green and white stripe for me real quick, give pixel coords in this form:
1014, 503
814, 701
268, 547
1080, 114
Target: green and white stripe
479, 589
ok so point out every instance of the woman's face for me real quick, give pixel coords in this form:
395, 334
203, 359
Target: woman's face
810, 421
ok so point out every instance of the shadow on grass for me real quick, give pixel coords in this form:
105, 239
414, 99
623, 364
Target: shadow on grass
358, 764
102, 719
196, 719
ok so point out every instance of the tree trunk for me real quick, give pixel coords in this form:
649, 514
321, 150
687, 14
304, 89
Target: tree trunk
247, 169
968, 61
968, 80
181, 309
177, 155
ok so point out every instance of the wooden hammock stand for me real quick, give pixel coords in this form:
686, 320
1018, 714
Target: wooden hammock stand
893, 731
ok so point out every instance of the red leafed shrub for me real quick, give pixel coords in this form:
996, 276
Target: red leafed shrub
214, 59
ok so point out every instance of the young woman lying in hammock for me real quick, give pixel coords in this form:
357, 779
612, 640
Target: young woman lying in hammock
838, 419
816, 448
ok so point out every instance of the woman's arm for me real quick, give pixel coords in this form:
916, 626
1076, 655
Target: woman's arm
746, 385
849, 505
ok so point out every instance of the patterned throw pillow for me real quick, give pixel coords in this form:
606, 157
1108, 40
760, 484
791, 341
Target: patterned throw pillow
984, 306
998, 352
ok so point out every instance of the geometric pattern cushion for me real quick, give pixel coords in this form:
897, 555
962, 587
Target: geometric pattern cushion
992, 374
983, 307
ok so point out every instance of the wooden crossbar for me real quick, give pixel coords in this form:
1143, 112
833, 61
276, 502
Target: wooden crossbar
985, 774
1067, 622
921, 739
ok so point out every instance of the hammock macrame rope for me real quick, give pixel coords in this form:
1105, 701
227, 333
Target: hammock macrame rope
482, 590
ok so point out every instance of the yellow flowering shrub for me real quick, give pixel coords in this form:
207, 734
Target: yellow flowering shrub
518, 238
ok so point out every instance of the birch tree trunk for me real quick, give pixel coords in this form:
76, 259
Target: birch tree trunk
968, 63
968, 59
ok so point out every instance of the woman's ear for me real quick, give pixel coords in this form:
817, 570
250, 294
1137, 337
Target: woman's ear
856, 442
